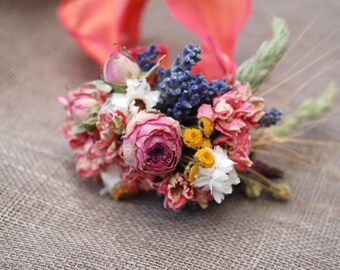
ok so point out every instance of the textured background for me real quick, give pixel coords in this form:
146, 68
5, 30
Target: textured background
50, 218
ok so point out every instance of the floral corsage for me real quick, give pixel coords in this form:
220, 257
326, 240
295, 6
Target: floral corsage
144, 127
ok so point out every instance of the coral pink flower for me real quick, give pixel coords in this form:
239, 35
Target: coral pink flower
95, 156
112, 120
238, 147
152, 143
74, 140
177, 191
234, 111
103, 147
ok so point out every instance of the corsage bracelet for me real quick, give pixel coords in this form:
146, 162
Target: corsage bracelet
146, 127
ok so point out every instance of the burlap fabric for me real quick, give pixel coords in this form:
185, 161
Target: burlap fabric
50, 218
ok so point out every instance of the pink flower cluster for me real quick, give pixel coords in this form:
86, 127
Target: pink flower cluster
78, 105
234, 114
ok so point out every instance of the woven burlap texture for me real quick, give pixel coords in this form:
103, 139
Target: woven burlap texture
51, 219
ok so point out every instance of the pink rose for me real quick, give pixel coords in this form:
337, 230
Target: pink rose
119, 67
177, 191
234, 111
152, 143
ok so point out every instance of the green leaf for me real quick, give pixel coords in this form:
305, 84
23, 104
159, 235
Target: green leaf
119, 88
101, 85
90, 124
257, 69
77, 128
95, 109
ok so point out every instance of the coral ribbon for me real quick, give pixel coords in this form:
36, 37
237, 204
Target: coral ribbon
217, 23
97, 25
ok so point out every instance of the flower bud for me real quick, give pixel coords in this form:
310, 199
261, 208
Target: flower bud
81, 107
281, 192
252, 191
119, 67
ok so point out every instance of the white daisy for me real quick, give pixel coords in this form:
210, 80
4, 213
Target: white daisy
116, 101
220, 177
139, 95
110, 179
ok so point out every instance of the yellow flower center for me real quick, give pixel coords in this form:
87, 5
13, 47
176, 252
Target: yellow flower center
205, 158
192, 138
206, 126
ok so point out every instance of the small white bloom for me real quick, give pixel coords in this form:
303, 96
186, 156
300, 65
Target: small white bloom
110, 178
220, 177
139, 92
138, 96
119, 101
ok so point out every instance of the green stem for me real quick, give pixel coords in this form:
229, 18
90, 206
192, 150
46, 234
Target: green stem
154, 68
187, 158
183, 163
119, 88
261, 178
249, 180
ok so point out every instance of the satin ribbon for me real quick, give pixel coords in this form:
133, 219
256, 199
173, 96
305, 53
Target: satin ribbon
96, 25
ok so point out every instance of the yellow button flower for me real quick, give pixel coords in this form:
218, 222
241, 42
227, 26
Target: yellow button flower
206, 143
205, 158
193, 138
206, 126
191, 171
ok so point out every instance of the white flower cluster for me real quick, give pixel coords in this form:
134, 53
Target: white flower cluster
220, 177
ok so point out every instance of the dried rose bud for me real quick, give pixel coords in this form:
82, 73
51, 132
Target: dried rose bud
81, 107
119, 67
